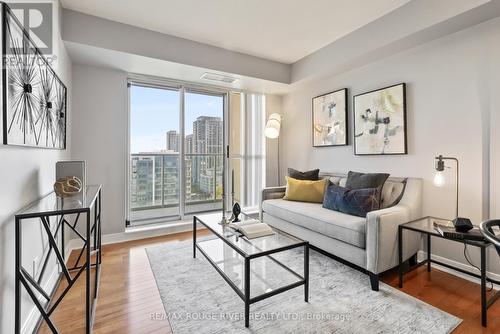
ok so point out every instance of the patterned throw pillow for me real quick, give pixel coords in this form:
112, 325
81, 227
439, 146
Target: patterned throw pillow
356, 202
312, 175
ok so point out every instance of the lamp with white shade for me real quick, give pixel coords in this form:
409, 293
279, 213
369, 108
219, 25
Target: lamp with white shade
272, 131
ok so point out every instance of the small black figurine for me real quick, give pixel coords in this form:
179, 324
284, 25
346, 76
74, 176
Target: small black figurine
236, 212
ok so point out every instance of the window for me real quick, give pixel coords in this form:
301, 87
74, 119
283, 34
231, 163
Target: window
177, 140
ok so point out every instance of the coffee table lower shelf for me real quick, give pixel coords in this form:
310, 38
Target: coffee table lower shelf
244, 273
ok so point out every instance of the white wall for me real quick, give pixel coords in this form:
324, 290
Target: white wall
25, 175
100, 136
451, 88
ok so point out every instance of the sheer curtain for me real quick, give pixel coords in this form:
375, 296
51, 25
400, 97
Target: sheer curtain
247, 149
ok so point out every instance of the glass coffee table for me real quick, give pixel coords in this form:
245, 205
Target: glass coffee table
248, 265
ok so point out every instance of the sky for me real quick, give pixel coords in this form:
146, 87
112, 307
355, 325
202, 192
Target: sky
155, 111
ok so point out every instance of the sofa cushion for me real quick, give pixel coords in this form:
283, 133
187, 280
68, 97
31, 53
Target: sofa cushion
392, 191
304, 190
357, 202
356, 180
313, 216
312, 175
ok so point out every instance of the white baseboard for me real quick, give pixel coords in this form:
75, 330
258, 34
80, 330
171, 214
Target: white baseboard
421, 255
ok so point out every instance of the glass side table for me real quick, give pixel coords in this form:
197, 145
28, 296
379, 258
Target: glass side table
426, 226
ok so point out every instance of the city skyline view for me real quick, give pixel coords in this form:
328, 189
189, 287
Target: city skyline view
155, 111
155, 162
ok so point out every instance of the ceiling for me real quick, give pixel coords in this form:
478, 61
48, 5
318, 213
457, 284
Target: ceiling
280, 30
129, 63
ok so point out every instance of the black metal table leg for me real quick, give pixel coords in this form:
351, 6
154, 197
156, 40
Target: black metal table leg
428, 252
483, 287
63, 250
18, 281
194, 237
100, 232
306, 272
95, 227
400, 255
88, 276
98, 250
247, 292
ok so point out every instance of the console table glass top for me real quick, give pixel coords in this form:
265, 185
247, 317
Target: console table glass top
52, 204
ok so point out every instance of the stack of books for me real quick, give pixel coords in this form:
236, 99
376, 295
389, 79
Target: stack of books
448, 231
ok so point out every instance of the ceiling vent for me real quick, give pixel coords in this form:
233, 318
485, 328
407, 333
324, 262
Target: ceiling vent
219, 77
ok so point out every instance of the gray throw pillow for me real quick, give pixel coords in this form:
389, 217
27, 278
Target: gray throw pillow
357, 180
312, 175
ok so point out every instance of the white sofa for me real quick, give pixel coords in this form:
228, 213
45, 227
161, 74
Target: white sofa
369, 244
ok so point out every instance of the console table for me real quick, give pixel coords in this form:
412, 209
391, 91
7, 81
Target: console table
426, 226
88, 203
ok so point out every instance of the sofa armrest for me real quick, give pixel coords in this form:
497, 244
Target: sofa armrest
382, 238
273, 192
270, 193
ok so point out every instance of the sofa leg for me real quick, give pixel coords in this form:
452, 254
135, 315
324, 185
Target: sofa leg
374, 281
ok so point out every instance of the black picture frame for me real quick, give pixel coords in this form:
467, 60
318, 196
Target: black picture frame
343, 93
357, 134
34, 98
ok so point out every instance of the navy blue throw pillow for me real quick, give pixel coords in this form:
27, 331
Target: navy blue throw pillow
356, 202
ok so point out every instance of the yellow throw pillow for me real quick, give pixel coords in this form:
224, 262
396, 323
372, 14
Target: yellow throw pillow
304, 190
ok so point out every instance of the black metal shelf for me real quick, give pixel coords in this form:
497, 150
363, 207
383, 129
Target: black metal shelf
88, 202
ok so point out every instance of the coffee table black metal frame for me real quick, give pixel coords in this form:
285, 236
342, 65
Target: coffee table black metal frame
245, 295
430, 232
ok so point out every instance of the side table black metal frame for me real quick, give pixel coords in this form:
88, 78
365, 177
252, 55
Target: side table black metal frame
245, 295
482, 245
23, 278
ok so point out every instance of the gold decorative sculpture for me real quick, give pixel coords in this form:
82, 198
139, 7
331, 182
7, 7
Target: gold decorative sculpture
68, 186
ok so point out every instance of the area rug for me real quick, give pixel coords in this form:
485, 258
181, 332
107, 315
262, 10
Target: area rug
198, 300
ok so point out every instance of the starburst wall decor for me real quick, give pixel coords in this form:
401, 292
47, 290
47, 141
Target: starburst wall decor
34, 98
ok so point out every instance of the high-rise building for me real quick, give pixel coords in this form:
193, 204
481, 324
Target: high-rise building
156, 179
207, 135
173, 140
188, 144
207, 139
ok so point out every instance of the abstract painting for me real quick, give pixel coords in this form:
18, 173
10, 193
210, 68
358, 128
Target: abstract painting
380, 121
329, 117
34, 98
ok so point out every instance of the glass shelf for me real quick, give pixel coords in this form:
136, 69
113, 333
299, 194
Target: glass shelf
266, 273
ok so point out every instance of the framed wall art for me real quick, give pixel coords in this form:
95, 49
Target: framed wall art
380, 121
329, 119
33, 96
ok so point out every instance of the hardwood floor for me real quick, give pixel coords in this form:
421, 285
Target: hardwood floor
128, 294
